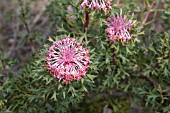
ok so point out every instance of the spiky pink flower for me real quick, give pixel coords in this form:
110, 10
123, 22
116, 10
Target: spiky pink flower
67, 60
96, 4
118, 28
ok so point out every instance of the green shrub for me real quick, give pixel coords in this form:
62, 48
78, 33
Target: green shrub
131, 76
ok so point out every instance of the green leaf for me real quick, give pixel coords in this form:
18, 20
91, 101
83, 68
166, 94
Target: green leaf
128, 51
59, 86
54, 96
91, 76
50, 39
166, 72
84, 36
64, 94
85, 89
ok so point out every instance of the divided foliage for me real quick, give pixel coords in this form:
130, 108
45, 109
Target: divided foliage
131, 77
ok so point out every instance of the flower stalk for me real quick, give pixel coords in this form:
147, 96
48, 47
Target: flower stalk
87, 19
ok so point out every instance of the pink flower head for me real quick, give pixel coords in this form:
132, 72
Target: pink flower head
118, 28
96, 4
67, 60
70, 9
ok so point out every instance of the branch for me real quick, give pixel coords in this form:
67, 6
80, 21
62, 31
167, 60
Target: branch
141, 73
147, 15
155, 83
87, 19
149, 78
25, 24
105, 95
114, 60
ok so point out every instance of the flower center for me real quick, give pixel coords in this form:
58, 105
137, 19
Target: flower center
118, 27
68, 56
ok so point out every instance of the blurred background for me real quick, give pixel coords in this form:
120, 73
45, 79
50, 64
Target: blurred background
13, 29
